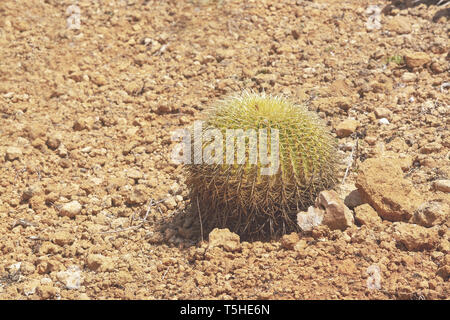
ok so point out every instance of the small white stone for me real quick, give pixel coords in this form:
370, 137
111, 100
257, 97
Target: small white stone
8, 95
14, 268
310, 219
71, 278
383, 121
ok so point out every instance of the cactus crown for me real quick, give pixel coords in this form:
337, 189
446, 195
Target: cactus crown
237, 195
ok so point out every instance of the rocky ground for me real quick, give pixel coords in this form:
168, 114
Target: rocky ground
88, 193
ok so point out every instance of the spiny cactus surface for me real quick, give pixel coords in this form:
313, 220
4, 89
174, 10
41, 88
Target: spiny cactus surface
236, 193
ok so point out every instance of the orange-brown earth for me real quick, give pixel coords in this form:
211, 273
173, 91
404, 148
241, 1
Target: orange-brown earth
88, 193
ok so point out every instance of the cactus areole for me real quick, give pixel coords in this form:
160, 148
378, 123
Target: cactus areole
255, 162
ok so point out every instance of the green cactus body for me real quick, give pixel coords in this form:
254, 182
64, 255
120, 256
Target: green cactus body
237, 195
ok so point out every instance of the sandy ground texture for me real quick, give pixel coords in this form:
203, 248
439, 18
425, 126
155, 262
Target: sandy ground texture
91, 206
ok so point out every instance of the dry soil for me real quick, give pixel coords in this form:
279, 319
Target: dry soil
89, 199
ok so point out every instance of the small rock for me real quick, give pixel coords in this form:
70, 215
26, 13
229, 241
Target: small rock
310, 219
225, 239
431, 213
38, 143
409, 77
300, 245
65, 163
442, 185
86, 149
137, 196
14, 268
47, 291
98, 262
13, 153
164, 108
383, 121
134, 174
54, 141
71, 278
444, 272
431, 148
399, 25
416, 59
382, 113
62, 238
365, 215
62, 151
346, 128
370, 140
98, 79
353, 199
415, 237
27, 268
336, 214
438, 67
444, 246
80, 124
381, 184
170, 203
31, 191
288, 241
70, 209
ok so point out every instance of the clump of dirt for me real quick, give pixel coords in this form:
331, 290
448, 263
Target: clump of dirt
92, 207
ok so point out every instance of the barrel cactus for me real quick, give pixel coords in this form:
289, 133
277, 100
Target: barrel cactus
256, 188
